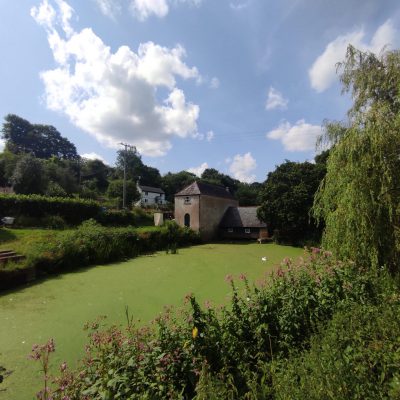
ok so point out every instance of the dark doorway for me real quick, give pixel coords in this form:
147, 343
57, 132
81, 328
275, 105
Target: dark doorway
187, 220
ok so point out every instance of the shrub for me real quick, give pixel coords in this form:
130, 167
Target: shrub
73, 211
47, 221
91, 244
357, 356
116, 218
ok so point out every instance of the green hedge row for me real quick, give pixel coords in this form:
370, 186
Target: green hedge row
73, 211
57, 212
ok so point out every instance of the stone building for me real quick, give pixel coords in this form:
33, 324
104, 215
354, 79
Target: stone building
201, 206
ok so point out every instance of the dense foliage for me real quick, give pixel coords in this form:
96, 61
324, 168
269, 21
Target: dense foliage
286, 200
356, 356
93, 244
73, 211
239, 351
42, 141
360, 196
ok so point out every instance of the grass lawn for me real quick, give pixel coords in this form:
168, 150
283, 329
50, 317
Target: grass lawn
21, 240
59, 306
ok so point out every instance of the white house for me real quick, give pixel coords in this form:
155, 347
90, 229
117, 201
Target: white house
150, 196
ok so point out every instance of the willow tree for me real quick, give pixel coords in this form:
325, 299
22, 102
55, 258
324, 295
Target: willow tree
359, 196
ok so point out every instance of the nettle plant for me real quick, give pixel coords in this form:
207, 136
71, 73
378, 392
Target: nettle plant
225, 352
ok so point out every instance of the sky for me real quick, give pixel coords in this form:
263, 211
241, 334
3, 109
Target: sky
236, 85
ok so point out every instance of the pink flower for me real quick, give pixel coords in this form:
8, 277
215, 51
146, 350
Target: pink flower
315, 250
229, 278
63, 366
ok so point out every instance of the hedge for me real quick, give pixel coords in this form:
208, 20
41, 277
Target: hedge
73, 211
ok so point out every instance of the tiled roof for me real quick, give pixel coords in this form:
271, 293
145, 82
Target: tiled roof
241, 217
207, 189
151, 189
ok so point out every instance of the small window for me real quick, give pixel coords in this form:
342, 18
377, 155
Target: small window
247, 230
145, 200
146, 193
187, 220
187, 200
230, 230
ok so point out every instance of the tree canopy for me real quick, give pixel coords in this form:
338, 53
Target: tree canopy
287, 198
359, 197
42, 141
211, 175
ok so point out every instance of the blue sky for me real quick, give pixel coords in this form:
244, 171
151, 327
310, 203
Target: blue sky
236, 85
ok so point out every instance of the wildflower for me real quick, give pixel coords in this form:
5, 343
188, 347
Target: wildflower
195, 332
63, 366
229, 278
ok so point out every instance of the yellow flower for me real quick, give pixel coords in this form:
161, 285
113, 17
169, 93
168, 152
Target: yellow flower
195, 332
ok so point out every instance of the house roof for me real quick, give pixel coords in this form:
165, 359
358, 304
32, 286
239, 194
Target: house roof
197, 188
151, 189
241, 217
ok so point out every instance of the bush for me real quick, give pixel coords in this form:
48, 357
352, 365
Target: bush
92, 244
47, 221
116, 218
230, 354
73, 211
357, 356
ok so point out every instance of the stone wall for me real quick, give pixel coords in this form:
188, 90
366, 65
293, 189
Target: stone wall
192, 208
212, 209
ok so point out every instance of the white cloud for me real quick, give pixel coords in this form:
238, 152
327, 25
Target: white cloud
143, 9
93, 156
322, 73
242, 167
110, 8
298, 137
44, 15
198, 170
239, 6
113, 96
276, 100
214, 84
2, 144
209, 136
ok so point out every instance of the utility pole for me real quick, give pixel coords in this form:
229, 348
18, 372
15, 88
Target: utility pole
130, 147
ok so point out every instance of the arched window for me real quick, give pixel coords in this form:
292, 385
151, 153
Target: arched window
187, 220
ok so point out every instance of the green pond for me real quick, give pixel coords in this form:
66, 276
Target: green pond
59, 307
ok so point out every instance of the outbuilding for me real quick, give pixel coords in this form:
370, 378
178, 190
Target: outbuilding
242, 223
